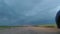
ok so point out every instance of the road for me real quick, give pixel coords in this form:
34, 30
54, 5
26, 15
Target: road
30, 30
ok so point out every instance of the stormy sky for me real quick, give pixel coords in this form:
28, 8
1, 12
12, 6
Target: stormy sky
28, 12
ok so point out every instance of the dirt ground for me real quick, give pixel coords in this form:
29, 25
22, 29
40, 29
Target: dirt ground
29, 30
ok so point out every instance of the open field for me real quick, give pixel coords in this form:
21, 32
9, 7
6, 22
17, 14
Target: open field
29, 30
36, 29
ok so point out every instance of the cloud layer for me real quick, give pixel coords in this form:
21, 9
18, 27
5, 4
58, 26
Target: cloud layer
28, 12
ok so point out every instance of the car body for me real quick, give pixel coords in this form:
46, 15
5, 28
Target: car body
58, 19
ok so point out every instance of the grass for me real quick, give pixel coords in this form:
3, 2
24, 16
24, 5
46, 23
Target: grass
46, 25
11, 26
3, 27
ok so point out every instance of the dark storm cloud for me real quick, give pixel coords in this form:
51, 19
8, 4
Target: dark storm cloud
22, 12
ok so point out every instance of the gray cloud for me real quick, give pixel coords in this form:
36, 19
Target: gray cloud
20, 12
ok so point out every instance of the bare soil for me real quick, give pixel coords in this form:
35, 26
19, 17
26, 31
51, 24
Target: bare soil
30, 30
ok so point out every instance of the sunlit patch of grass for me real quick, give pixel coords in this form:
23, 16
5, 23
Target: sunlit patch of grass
46, 25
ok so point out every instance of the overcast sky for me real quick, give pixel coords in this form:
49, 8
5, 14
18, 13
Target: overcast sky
28, 12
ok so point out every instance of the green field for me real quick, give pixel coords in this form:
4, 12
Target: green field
10, 26
44, 25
